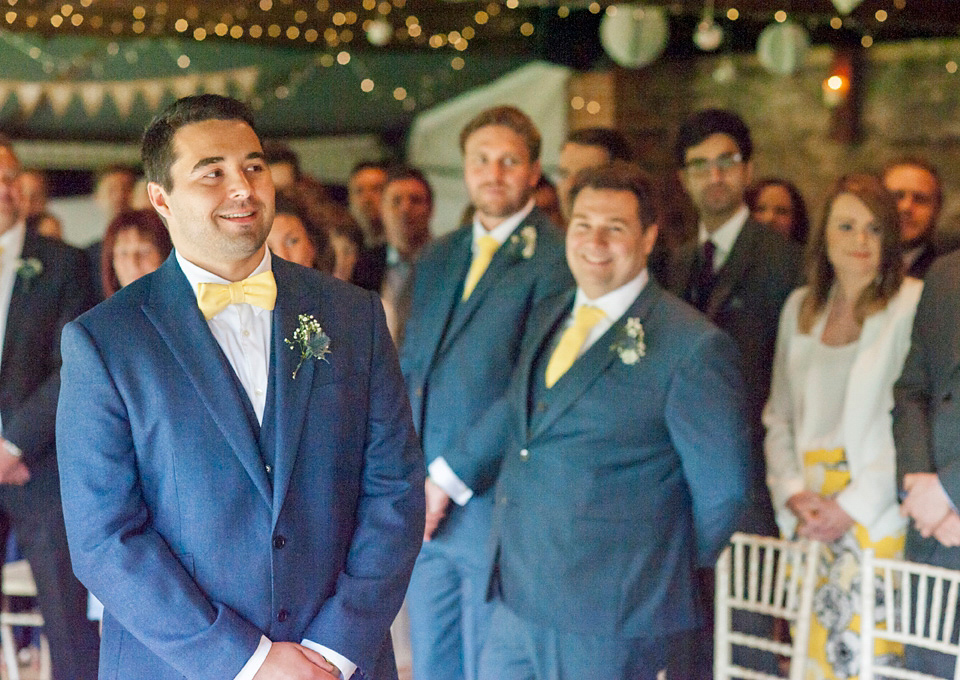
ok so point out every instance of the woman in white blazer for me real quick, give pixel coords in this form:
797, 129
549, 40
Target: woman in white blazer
841, 345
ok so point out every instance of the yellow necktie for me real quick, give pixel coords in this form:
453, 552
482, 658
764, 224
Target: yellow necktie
486, 248
259, 290
584, 319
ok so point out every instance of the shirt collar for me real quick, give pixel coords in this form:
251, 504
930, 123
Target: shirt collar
197, 275
11, 241
724, 237
502, 231
615, 303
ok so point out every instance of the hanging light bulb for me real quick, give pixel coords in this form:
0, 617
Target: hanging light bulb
708, 35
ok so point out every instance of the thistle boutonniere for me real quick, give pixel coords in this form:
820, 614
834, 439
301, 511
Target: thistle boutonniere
28, 269
524, 242
630, 345
310, 339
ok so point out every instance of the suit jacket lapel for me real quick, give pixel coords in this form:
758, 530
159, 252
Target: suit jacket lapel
740, 258
172, 308
291, 396
593, 362
455, 271
19, 309
682, 270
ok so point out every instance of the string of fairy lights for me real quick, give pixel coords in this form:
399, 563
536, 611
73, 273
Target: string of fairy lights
339, 33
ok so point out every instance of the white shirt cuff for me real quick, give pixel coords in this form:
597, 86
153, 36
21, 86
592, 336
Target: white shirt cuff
346, 666
443, 476
253, 665
12, 448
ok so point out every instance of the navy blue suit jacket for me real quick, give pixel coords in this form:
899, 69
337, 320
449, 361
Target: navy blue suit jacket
457, 357
613, 484
174, 521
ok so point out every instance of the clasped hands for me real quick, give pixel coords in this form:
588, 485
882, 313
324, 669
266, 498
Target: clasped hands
12, 469
821, 518
928, 505
437, 503
290, 661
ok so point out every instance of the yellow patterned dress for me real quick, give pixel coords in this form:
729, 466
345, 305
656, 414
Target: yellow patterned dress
835, 625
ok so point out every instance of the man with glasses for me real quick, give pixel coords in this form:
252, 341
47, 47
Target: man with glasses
739, 274
915, 184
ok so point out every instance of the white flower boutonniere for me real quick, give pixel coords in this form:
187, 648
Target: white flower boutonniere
630, 345
524, 242
310, 339
29, 269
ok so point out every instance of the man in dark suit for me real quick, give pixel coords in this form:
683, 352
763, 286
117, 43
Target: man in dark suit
739, 273
43, 285
241, 480
472, 292
620, 457
926, 429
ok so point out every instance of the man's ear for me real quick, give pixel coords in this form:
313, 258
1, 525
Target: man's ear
158, 199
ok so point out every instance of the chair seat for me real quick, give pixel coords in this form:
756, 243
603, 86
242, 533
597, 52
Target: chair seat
18, 579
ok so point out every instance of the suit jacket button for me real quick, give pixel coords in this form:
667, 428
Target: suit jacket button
947, 397
418, 391
282, 615
502, 500
279, 542
524, 454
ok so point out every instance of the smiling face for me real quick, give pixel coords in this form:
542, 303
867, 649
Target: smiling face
499, 173
288, 239
854, 239
220, 206
607, 245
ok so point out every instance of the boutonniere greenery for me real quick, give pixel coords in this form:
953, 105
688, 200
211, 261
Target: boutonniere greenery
28, 269
630, 345
524, 242
310, 339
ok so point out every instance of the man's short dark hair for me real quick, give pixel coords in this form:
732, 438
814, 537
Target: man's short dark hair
709, 122
621, 176
509, 117
395, 173
610, 140
278, 152
157, 145
364, 165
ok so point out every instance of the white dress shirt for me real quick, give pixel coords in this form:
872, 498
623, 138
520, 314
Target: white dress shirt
614, 305
243, 333
724, 236
11, 243
502, 231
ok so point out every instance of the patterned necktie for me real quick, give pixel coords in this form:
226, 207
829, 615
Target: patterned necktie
259, 290
485, 248
584, 319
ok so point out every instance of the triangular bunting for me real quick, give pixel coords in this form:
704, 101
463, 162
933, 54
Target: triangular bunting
91, 96
215, 83
246, 80
152, 91
123, 95
28, 96
6, 89
185, 86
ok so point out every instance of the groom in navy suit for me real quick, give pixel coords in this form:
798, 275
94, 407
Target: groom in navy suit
241, 480
619, 457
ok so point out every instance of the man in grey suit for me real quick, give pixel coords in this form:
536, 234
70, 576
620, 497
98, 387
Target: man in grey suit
472, 292
926, 429
619, 456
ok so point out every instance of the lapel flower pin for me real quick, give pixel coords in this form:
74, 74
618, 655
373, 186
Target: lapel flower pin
310, 339
28, 269
630, 346
524, 242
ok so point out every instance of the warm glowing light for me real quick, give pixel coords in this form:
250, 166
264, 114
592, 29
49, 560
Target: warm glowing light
526, 28
366, 85
311, 35
346, 35
293, 32
493, 9
351, 18
951, 67
881, 15
255, 31
733, 14
183, 61
835, 83
300, 16
457, 63
76, 19
563, 12
139, 12
595, 8
326, 60
199, 33
221, 29
181, 25
453, 37
513, 4
282, 92
56, 20
384, 8
415, 31
343, 58
436, 41
468, 33
481, 17
400, 94
139, 27
266, 5
11, 17
339, 19
67, 10
593, 108
836, 23
274, 31
577, 103
370, 5
866, 41
236, 32
780, 16
323, 5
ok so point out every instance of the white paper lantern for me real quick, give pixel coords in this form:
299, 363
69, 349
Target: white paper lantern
634, 36
708, 35
782, 47
379, 32
846, 6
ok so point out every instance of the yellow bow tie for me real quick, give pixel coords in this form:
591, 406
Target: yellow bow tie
259, 290
584, 319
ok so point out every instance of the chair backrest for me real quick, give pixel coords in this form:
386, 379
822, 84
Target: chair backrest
914, 604
765, 576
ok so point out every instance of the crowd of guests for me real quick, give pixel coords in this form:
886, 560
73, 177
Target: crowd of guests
599, 412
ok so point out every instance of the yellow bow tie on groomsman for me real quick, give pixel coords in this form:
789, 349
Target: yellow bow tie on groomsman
584, 319
259, 290
485, 248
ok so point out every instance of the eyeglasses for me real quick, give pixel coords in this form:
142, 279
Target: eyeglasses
700, 167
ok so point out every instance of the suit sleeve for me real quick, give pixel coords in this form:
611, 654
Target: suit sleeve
118, 544
912, 394
390, 517
706, 417
31, 423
